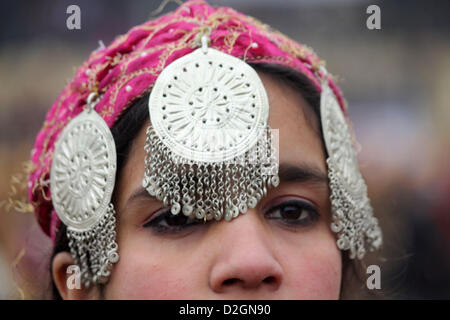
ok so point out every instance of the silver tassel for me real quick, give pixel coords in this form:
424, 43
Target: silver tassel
95, 251
210, 190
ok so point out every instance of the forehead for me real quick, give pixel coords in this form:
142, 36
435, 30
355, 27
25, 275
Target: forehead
299, 133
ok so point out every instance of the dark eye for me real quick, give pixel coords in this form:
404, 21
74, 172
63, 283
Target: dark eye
293, 213
167, 222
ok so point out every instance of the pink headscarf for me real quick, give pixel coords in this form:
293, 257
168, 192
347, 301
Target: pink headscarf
129, 66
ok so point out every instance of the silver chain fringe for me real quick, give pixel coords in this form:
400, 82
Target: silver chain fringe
95, 251
352, 215
210, 190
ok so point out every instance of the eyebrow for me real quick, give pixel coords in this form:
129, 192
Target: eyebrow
287, 172
305, 173
138, 194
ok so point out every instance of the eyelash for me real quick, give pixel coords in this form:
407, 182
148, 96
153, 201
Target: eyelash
300, 207
166, 214
304, 207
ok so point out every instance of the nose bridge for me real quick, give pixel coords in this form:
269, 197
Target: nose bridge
247, 225
245, 258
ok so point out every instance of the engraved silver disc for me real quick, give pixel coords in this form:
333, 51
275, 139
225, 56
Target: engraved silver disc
83, 171
208, 107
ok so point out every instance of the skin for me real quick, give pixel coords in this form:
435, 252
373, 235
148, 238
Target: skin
250, 257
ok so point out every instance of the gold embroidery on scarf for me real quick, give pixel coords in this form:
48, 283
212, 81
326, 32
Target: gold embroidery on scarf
17, 195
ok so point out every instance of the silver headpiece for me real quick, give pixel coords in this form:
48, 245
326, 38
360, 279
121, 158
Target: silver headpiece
210, 152
82, 181
352, 214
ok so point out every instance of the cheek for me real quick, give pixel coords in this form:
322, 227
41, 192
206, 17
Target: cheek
146, 273
314, 271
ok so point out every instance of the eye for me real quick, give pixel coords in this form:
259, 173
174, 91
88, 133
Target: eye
293, 213
166, 222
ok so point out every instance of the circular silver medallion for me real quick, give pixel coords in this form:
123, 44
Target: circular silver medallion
208, 107
83, 171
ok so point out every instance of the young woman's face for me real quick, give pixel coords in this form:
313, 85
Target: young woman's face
281, 249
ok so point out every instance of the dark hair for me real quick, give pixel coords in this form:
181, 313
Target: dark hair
132, 120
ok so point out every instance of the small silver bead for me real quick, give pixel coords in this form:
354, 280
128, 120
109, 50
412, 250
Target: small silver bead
175, 208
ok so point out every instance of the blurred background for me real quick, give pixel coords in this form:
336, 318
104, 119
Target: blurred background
396, 81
